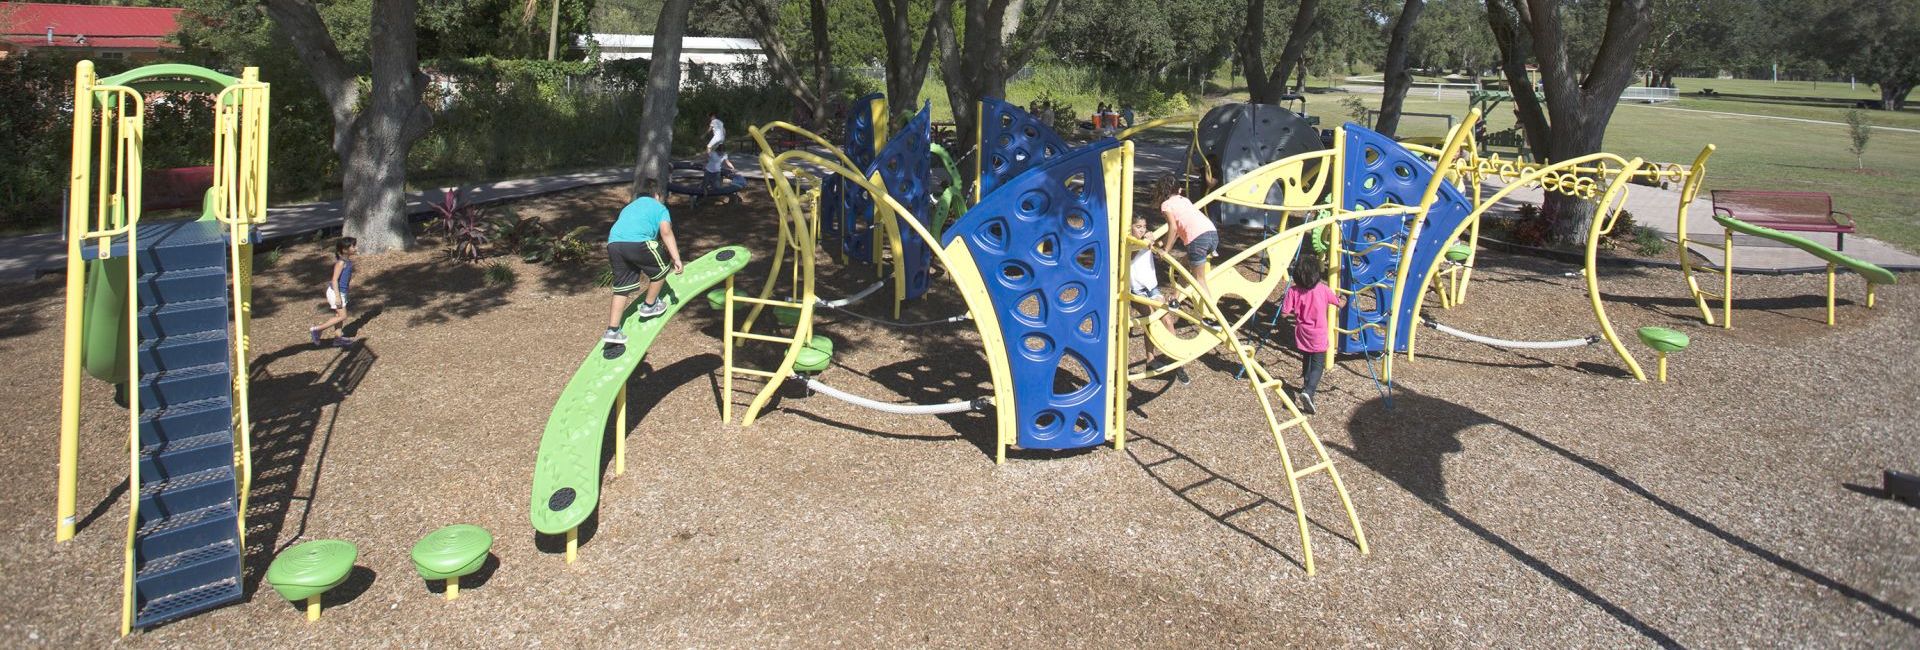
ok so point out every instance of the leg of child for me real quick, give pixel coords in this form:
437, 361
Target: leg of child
339, 318
1311, 369
620, 301
653, 290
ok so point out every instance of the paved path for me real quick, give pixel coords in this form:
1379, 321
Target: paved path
26, 257
1766, 117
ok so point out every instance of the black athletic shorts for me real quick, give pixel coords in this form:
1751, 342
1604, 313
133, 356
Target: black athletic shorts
634, 263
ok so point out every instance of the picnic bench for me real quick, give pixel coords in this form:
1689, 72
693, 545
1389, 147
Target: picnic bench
1785, 211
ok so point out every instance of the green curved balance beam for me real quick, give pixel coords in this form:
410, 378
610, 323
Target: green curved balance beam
1873, 273
566, 475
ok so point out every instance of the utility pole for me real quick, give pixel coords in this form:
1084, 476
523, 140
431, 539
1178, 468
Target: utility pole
553, 31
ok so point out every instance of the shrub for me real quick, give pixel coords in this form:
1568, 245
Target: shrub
1649, 242
1356, 108
500, 274
271, 259
1858, 131
1532, 227
514, 233
460, 222
570, 248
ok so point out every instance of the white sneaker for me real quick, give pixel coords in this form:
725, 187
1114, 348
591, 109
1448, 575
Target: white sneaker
650, 310
614, 337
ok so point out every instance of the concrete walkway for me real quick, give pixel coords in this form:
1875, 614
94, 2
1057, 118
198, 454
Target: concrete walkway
25, 257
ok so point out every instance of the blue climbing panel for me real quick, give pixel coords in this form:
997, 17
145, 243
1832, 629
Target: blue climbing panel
1379, 171
1041, 240
1012, 142
905, 165
855, 206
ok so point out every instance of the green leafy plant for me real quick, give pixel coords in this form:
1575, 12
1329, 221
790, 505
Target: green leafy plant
569, 248
460, 222
1859, 132
500, 274
1532, 227
270, 259
1649, 242
513, 234
1356, 108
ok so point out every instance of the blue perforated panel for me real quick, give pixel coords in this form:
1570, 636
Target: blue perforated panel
1041, 242
1012, 142
856, 207
906, 166
1379, 171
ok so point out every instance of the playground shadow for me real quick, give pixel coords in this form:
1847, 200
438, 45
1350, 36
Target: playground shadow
1806, 307
1407, 441
1230, 503
21, 309
474, 580
289, 412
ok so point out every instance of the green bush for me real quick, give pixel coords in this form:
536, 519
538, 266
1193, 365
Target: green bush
500, 274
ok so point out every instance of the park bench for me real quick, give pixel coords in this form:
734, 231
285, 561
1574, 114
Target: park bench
1510, 140
1785, 211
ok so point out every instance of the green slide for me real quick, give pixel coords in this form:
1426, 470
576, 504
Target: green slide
566, 476
1868, 270
105, 320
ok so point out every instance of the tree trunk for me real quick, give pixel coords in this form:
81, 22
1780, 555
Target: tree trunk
907, 65
1397, 78
651, 165
1265, 86
1893, 94
980, 65
822, 60
371, 134
1580, 102
765, 27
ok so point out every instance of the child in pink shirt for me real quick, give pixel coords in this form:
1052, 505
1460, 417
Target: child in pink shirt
1187, 225
1307, 301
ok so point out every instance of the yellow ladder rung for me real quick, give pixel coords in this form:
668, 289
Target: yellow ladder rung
1291, 423
1316, 467
754, 373
765, 301
764, 337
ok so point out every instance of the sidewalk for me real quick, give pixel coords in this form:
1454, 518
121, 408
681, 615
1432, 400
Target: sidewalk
1656, 208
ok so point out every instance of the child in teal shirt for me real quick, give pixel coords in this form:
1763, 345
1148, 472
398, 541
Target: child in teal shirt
638, 249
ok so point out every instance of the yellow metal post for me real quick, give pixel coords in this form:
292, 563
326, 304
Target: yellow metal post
313, 608
620, 432
1663, 367
726, 355
573, 544
1870, 295
453, 587
77, 206
1830, 267
1726, 283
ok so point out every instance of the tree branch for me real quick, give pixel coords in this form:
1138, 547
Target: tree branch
1027, 46
317, 51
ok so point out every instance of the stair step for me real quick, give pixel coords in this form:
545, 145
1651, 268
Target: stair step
187, 531
186, 570
174, 387
187, 317
183, 456
186, 420
183, 285
189, 602
170, 245
162, 499
183, 351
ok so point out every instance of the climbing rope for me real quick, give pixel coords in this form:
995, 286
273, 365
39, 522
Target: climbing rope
897, 409
894, 323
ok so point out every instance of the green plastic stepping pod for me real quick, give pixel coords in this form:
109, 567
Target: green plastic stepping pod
1459, 252
1663, 340
308, 570
816, 356
450, 553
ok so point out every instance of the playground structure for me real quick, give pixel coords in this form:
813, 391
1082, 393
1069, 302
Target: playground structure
161, 309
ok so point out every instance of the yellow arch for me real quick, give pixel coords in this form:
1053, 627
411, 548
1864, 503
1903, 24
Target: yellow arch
955, 257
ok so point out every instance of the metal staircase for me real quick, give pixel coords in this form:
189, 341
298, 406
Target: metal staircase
186, 541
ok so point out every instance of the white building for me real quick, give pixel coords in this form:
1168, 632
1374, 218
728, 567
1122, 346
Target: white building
696, 50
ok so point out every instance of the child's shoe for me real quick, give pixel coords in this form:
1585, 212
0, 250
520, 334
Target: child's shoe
1180, 375
315, 335
1306, 403
652, 309
344, 341
614, 337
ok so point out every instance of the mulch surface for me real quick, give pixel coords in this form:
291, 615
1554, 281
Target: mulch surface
1512, 497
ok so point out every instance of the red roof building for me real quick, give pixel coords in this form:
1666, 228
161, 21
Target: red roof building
87, 30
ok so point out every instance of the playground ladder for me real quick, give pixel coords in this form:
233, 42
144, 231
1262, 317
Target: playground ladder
186, 543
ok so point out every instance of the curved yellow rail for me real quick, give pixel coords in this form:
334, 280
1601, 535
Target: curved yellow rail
1453, 148
1689, 190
